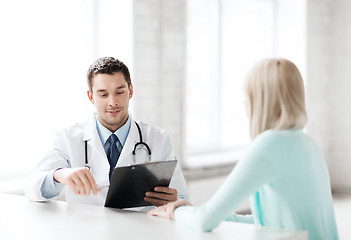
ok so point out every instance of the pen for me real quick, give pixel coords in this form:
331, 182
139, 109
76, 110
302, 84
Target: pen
100, 187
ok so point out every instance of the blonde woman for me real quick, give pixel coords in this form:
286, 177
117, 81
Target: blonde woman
284, 172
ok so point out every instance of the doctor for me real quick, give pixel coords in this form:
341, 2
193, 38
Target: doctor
84, 155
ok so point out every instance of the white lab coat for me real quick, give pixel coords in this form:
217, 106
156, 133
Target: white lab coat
69, 151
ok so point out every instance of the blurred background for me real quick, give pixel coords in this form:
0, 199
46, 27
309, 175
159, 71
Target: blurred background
188, 59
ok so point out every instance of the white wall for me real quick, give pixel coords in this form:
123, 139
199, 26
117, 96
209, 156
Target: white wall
328, 53
340, 97
318, 72
159, 65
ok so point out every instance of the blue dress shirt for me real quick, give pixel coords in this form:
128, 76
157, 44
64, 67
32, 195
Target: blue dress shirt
121, 133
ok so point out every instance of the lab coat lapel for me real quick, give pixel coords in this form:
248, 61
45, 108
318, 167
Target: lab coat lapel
91, 135
97, 158
126, 156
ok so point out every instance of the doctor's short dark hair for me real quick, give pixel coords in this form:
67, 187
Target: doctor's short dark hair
107, 65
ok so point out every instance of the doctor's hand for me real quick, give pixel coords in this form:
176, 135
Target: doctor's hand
167, 211
161, 196
79, 180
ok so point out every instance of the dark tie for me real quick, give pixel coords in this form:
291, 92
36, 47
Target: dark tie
113, 154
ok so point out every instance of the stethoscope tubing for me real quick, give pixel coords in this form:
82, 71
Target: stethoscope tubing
133, 152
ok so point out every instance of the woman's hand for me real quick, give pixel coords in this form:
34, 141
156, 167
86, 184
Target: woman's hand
167, 211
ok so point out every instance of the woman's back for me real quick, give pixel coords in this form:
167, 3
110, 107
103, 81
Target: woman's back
298, 196
286, 178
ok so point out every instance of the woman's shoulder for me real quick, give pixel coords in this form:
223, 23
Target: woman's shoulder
279, 135
273, 140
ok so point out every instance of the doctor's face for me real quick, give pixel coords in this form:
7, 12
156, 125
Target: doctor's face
111, 98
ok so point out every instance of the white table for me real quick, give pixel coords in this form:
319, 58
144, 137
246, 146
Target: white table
23, 219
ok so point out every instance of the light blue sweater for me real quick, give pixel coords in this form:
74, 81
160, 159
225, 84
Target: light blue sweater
287, 180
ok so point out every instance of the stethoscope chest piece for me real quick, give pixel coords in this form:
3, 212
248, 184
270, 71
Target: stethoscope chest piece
140, 144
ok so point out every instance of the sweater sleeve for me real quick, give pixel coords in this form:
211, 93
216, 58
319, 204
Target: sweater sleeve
251, 173
240, 218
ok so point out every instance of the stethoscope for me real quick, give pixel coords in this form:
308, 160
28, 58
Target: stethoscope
137, 145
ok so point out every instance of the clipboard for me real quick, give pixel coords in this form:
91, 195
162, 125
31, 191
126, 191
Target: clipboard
129, 184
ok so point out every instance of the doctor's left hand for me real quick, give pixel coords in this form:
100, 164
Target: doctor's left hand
161, 196
80, 180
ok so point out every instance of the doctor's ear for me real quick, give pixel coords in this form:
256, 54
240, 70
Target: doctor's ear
130, 91
90, 96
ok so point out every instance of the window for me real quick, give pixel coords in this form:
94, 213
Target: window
224, 39
46, 49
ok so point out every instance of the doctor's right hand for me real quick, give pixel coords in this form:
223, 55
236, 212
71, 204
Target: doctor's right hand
80, 180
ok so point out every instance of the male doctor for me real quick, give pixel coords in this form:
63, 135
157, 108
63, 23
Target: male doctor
111, 131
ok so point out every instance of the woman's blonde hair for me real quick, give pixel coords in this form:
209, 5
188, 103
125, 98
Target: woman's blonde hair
276, 96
